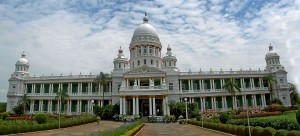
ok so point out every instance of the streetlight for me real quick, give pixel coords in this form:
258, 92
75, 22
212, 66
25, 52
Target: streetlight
186, 113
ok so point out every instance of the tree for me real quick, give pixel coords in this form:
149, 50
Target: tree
293, 94
103, 79
60, 97
18, 110
24, 102
231, 86
269, 79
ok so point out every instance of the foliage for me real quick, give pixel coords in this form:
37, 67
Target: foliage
121, 130
276, 101
243, 115
298, 115
132, 131
41, 118
178, 108
268, 131
18, 110
102, 79
5, 115
224, 117
231, 86
198, 118
270, 80
22, 126
106, 112
281, 132
282, 109
24, 102
293, 94
293, 133
256, 131
2, 107
277, 123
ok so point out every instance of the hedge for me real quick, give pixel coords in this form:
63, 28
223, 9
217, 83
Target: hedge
241, 130
274, 123
23, 128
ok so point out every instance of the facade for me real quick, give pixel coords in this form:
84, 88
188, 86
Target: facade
145, 83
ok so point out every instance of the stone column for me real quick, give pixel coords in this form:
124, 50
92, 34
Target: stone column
189, 85
212, 102
200, 86
226, 106
101, 103
213, 85
164, 106
133, 106
70, 107
124, 106
50, 106
80, 105
154, 106
263, 99
150, 106
192, 85
244, 100
137, 106
223, 103
254, 100
121, 106
180, 85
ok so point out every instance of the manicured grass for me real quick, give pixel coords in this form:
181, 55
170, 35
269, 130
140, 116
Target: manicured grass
288, 116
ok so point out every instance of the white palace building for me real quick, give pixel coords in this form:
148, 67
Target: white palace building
146, 82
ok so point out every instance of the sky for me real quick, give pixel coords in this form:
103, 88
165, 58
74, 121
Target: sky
74, 36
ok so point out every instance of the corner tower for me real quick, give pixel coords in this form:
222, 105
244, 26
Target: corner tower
145, 46
273, 60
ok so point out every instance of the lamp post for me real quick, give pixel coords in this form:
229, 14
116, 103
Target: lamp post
186, 113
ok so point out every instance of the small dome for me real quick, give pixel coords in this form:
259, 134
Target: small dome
22, 60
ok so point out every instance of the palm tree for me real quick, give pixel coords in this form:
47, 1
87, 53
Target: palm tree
293, 94
24, 102
103, 79
269, 79
60, 97
231, 86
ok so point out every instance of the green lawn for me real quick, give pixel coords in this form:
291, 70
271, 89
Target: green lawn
289, 116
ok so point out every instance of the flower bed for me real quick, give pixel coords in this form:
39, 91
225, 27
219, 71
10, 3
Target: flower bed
121, 130
243, 115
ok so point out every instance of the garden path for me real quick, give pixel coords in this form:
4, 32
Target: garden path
175, 129
82, 130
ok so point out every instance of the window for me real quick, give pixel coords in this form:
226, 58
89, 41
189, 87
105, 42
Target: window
281, 80
132, 64
170, 86
145, 50
151, 62
119, 65
145, 61
170, 63
150, 50
140, 50
138, 62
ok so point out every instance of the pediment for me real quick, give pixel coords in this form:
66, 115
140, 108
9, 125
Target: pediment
144, 70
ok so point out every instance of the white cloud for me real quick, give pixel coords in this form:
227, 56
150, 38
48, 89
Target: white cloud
84, 37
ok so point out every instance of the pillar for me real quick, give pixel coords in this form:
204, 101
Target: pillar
223, 102
121, 105
133, 106
180, 85
254, 100
124, 106
226, 106
212, 102
167, 105
80, 105
154, 106
137, 106
150, 106
164, 106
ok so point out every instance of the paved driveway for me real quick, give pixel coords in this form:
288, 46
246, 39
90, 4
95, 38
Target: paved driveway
81, 130
175, 129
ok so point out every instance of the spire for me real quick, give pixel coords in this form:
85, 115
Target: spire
120, 55
23, 55
270, 47
169, 51
145, 19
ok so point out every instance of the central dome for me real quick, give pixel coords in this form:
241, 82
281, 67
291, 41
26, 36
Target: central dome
145, 33
145, 29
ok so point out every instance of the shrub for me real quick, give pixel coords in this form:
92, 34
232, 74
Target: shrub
224, 117
293, 133
5, 115
298, 115
276, 101
282, 109
242, 130
41, 118
256, 131
198, 118
268, 131
281, 132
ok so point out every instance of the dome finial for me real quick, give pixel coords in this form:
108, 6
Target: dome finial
270, 47
145, 19
23, 54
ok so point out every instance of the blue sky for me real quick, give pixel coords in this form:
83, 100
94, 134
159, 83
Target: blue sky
63, 37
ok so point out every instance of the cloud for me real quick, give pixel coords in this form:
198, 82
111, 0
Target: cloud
84, 36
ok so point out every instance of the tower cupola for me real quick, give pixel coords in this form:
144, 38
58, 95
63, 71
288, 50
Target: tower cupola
120, 63
21, 67
169, 61
273, 60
